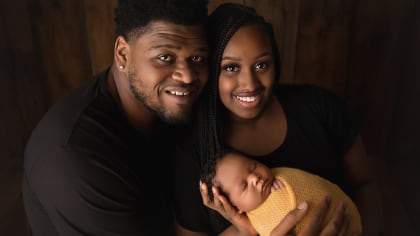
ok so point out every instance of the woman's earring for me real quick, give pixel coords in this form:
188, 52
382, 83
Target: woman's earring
121, 67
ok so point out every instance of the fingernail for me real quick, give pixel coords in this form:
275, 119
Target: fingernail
302, 205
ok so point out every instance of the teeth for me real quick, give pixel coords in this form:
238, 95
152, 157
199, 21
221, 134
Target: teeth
177, 93
247, 99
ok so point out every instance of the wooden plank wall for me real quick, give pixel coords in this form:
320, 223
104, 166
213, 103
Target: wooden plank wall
366, 51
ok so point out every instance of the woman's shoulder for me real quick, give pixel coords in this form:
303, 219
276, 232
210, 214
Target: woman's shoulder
300, 90
304, 94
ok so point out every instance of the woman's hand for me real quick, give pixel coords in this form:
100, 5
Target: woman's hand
225, 208
337, 226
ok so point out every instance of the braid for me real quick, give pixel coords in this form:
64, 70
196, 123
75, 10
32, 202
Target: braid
222, 25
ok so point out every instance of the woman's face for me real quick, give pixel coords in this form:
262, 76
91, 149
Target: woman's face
247, 73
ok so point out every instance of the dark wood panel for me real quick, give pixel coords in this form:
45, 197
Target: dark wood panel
60, 26
381, 86
23, 101
100, 32
375, 61
403, 144
284, 17
322, 44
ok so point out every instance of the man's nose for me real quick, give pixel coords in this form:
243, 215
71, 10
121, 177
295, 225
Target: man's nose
183, 72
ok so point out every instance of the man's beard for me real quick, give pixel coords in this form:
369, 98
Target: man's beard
158, 108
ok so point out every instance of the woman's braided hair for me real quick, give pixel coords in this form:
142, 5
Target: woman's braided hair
222, 25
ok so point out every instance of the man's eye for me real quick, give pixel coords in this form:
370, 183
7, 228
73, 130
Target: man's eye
165, 58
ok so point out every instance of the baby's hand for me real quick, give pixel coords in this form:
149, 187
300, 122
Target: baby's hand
277, 184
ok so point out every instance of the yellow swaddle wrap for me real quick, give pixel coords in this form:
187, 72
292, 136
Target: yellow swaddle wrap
300, 186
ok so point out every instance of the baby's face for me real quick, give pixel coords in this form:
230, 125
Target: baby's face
246, 182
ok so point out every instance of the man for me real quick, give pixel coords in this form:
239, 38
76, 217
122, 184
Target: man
95, 164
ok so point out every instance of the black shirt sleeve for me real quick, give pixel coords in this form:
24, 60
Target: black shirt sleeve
334, 114
88, 196
190, 212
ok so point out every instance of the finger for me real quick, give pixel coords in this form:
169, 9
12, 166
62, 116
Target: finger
205, 197
275, 186
291, 219
334, 225
204, 193
227, 206
279, 183
314, 222
217, 197
345, 227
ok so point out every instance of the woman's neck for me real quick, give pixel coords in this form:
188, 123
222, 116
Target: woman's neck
261, 135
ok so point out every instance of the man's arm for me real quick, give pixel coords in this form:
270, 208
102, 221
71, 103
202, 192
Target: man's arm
83, 194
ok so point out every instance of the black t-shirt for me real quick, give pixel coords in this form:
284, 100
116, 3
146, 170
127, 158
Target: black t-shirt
88, 172
320, 130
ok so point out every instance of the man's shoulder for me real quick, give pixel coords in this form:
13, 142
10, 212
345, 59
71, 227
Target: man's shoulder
81, 111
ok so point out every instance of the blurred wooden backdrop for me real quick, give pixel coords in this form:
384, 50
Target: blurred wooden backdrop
366, 51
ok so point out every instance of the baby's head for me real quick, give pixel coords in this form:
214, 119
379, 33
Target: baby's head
244, 181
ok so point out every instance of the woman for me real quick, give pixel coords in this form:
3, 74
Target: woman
280, 125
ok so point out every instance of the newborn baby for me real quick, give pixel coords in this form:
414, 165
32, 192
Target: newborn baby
266, 196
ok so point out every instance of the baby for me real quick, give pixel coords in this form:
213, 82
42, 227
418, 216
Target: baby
266, 196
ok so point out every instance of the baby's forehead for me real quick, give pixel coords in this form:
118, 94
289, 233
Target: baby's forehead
236, 157
233, 162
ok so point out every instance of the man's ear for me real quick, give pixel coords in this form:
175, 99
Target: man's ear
121, 52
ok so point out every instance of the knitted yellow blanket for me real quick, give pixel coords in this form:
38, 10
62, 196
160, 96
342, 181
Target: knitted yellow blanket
300, 186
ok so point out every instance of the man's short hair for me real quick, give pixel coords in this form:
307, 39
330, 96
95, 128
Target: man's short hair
133, 16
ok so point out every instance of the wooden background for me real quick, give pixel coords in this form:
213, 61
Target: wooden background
366, 51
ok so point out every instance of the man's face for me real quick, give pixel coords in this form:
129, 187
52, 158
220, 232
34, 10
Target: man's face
168, 69
246, 182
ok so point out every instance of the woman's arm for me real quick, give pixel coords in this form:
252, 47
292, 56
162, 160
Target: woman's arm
181, 231
367, 194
